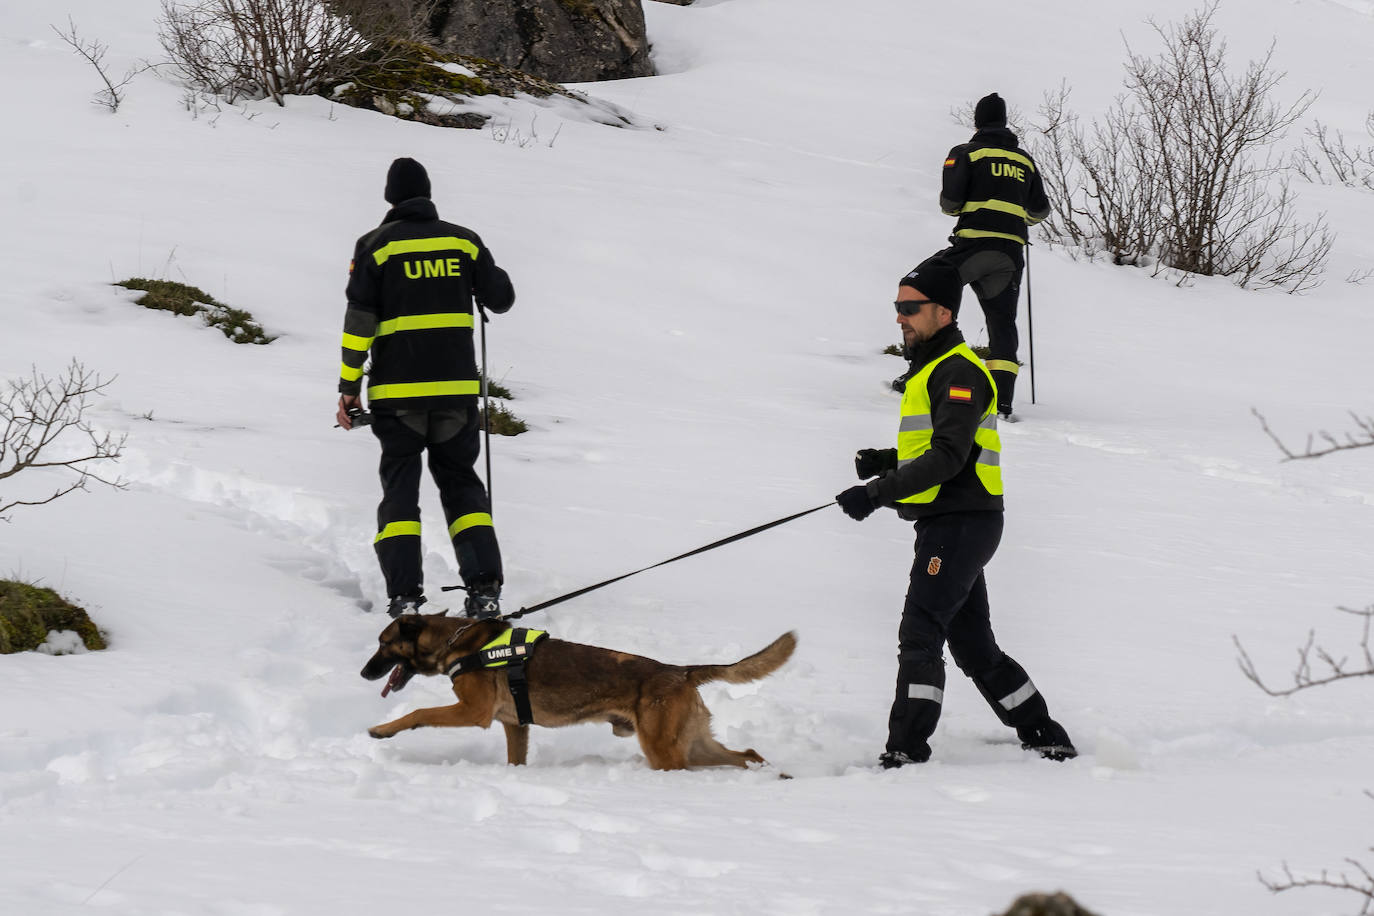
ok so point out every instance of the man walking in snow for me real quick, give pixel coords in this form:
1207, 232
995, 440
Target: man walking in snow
411, 288
945, 475
994, 188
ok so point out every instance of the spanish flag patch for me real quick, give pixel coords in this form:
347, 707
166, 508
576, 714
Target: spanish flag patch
960, 394
949, 162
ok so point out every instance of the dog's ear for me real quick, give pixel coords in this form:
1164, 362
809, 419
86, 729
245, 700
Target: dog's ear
411, 624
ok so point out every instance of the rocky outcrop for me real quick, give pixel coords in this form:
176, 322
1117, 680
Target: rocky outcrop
1060, 904
566, 41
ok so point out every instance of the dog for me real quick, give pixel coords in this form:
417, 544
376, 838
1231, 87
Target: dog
568, 683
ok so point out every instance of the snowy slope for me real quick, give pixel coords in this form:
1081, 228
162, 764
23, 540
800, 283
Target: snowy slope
696, 347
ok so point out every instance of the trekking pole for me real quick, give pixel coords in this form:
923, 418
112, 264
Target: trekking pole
1030, 321
486, 410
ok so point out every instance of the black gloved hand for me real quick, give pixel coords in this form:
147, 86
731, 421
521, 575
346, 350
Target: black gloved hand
856, 503
870, 462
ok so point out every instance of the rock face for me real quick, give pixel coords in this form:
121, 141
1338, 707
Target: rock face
567, 41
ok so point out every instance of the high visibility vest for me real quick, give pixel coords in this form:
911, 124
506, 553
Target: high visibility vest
917, 428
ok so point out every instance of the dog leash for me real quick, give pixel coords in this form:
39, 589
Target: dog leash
691, 553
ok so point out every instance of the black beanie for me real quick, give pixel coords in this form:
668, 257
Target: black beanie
406, 179
991, 111
939, 280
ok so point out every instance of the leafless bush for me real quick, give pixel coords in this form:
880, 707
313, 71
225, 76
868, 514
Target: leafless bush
274, 48
1333, 161
93, 51
36, 416
1177, 173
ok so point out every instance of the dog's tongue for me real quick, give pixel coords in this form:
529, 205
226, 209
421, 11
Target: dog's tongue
396, 680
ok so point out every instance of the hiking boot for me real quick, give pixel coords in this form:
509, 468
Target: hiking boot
891, 760
483, 601
403, 604
1008, 416
1048, 739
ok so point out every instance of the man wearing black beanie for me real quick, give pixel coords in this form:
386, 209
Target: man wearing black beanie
946, 476
994, 188
411, 287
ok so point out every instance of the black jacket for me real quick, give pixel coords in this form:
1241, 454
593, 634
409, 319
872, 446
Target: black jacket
991, 168
952, 456
412, 279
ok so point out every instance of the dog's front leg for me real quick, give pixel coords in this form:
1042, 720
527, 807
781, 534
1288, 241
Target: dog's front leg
475, 707
517, 743
458, 715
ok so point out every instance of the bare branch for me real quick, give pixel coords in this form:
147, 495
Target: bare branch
1363, 439
1362, 885
39, 419
1333, 669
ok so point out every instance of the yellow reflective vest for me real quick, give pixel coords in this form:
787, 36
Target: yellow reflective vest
916, 428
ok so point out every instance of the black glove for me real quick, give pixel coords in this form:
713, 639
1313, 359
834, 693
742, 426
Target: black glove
856, 503
870, 462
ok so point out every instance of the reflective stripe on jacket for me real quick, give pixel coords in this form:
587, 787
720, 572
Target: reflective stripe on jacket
410, 307
994, 188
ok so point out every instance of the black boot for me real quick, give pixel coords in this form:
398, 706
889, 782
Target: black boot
1006, 388
483, 600
403, 604
1047, 738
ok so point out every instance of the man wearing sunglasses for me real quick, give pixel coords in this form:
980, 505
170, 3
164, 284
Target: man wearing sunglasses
945, 475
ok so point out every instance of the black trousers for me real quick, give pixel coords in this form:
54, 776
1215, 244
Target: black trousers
947, 603
453, 442
992, 268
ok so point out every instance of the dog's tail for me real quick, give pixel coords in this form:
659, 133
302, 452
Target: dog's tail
760, 664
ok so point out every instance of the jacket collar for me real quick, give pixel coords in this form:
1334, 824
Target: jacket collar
1000, 136
416, 209
945, 339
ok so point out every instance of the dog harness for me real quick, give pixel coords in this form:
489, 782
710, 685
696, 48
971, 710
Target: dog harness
510, 650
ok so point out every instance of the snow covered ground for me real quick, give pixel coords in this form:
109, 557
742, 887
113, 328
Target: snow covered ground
696, 347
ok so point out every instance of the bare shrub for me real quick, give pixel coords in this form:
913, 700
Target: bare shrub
39, 417
93, 50
1329, 669
1333, 161
274, 48
1178, 172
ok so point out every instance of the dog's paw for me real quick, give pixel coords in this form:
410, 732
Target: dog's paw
380, 732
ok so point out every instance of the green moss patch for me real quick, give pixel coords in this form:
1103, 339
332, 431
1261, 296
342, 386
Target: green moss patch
505, 423
28, 613
403, 79
182, 299
497, 390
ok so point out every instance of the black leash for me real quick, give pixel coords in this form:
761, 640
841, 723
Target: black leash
691, 553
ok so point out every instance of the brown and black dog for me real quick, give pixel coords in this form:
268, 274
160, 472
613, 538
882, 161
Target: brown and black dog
568, 683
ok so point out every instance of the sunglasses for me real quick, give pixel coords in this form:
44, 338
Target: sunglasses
909, 307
